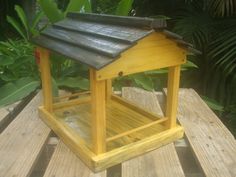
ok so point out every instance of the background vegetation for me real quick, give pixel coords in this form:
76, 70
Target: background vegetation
209, 25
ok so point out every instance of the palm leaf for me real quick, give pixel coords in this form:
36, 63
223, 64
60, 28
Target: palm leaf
74, 82
17, 26
75, 6
124, 7
51, 10
36, 19
22, 16
12, 92
88, 6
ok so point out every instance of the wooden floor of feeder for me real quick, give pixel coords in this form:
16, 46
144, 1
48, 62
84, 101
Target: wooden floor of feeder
131, 131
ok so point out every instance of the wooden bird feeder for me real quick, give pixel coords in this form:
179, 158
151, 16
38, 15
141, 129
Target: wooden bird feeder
104, 129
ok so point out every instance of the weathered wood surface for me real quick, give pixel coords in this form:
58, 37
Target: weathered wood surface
22, 141
65, 163
9, 112
162, 162
212, 143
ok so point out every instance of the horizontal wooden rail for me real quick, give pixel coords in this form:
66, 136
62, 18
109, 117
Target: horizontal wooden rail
71, 102
136, 129
72, 95
132, 106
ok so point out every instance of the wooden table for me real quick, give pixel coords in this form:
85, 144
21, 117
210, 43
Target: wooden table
29, 148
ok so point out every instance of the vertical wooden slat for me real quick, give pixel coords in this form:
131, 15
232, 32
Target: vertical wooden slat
98, 97
46, 78
108, 88
172, 95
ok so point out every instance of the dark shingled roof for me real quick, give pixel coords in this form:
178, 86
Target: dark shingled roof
97, 40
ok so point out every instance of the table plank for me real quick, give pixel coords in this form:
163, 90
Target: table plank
212, 143
22, 141
64, 163
162, 162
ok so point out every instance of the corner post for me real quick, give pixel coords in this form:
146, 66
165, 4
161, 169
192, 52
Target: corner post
98, 101
44, 65
172, 95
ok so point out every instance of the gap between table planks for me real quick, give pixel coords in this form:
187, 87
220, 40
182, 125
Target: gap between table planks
162, 162
213, 145
22, 141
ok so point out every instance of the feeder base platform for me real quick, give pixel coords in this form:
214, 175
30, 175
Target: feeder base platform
130, 132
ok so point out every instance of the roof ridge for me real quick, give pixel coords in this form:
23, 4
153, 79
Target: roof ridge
145, 22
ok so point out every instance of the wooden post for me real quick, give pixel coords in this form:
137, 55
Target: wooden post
98, 97
172, 95
108, 88
46, 78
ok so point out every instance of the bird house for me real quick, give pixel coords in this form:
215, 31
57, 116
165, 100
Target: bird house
101, 128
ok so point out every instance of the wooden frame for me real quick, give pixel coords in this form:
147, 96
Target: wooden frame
111, 129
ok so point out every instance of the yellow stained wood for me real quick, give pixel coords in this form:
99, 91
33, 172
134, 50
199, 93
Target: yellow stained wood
136, 108
162, 162
98, 101
64, 163
172, 96
108, 88
68, 136
71, 102
129, 151
73, 95
119, 119
110, 158
136, 129
46, 78
146, 55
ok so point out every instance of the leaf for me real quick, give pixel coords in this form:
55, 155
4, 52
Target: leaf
51, 10
75, 6
74, 82
36, 20
22, 16
143, 81
158, 71
17, 26
88, 6
6, 60
213, 104
190, 64
12, 92
124, 7
55, 90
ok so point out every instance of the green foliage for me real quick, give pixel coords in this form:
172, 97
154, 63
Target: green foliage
17, 90
51, 10
54, 14
23, 28
16, 61
124, 7
78, 83
214, 105
75, 5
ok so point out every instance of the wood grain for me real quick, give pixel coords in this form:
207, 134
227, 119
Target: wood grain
172, 96
156, 57
212, 143
98, 109
46, 78
162, 162
22, 142
65, 163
